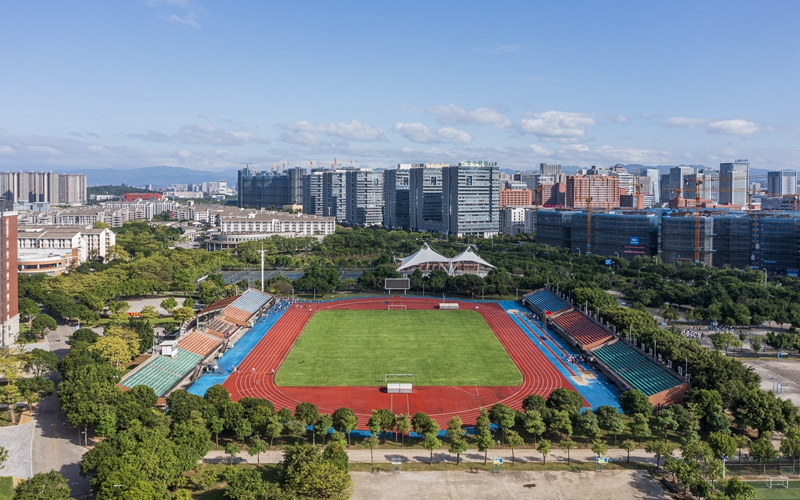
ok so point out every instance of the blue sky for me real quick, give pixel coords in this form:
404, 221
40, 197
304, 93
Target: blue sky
214, 84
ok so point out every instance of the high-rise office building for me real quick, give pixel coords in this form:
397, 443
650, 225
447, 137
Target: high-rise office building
264, 189
470, 199
782, 183
364, 197
677, 181
425, 197
313, 192
9, 329
550, 169
396, 197
734, 181
655, 182
37, 187
334, 189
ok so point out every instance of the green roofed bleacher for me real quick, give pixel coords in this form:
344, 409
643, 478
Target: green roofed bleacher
635, 368
163, 372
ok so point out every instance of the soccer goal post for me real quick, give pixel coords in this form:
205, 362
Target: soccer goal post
778, 482
397, 307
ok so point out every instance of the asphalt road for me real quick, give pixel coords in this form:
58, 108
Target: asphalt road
55, 444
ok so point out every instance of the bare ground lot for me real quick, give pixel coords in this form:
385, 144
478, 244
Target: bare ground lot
786, 370
617, 484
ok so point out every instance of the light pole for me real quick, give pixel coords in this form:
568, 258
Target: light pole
617, 254
516, 293
482, 297
292, 294
707, 279
765, 276
315, 295
423, 289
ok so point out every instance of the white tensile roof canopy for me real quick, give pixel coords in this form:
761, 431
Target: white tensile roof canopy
426, 256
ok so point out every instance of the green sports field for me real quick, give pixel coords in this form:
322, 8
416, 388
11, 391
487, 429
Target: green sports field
777, 492
357, 348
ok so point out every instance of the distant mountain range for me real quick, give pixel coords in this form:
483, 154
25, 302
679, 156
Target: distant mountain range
164, 176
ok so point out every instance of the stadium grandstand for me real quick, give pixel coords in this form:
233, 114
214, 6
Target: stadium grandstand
238, 311
638, 370
621, 362
544, 303
582, 329
163, 371
427, 260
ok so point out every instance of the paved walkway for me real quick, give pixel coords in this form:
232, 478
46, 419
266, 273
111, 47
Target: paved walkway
17, 440
441, 455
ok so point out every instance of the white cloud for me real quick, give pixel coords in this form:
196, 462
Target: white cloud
557, 125
6, 150
352, 130
539, 150
506, 49
300, 138
481, 116
417, 132
188, 20
44, 150
735, 127
94, 148
202, 133
682, 121
620, 119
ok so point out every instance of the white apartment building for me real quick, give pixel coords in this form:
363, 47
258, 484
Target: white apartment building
277, 223
72, 245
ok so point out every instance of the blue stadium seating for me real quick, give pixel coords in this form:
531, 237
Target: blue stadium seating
251, 301
544, 300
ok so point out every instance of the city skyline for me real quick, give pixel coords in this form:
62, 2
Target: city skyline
211, 85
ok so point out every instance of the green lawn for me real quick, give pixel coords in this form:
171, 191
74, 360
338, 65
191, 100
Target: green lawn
777, 492
6, 488
357, 348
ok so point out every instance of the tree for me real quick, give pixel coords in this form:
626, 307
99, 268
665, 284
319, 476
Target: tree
722, 444
599, 447
485, 442
534, 402
384, 419
640, 428
544, 449
667, 421
763, 450
323, 479
458, 445
534, 424
322, 426
514, 441
335, 453
403, 426
306, 413
114, 349
628, 445
50, 485
568, 444
565, 400
216, 395
421, 422
633, 402
455, 428
257, 447
11, 395
609, 419
586, 423
273, 429
790, 443
345, 420
3, 457
216, 425
659, 449
561, 422
43, 323
27, 308
232, 450
183, 314
85, 336
295, 428
739, 490
242, 429
169, 304
755, 344
370, 442
39, 362
431, 440
149, 312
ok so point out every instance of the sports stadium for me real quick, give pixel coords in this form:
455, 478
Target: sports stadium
444, 357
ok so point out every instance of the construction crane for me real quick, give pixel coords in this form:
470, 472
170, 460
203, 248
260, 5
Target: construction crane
333, 167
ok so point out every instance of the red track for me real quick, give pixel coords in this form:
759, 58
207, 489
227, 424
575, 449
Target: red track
442, 403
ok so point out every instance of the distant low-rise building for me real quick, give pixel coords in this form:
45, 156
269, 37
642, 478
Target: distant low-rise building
54, 250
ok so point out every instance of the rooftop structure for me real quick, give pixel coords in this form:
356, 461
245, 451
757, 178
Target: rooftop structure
426, 260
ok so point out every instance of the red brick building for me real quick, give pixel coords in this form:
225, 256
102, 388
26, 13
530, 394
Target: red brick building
603, 189
9, 328
142, 196
515, 197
